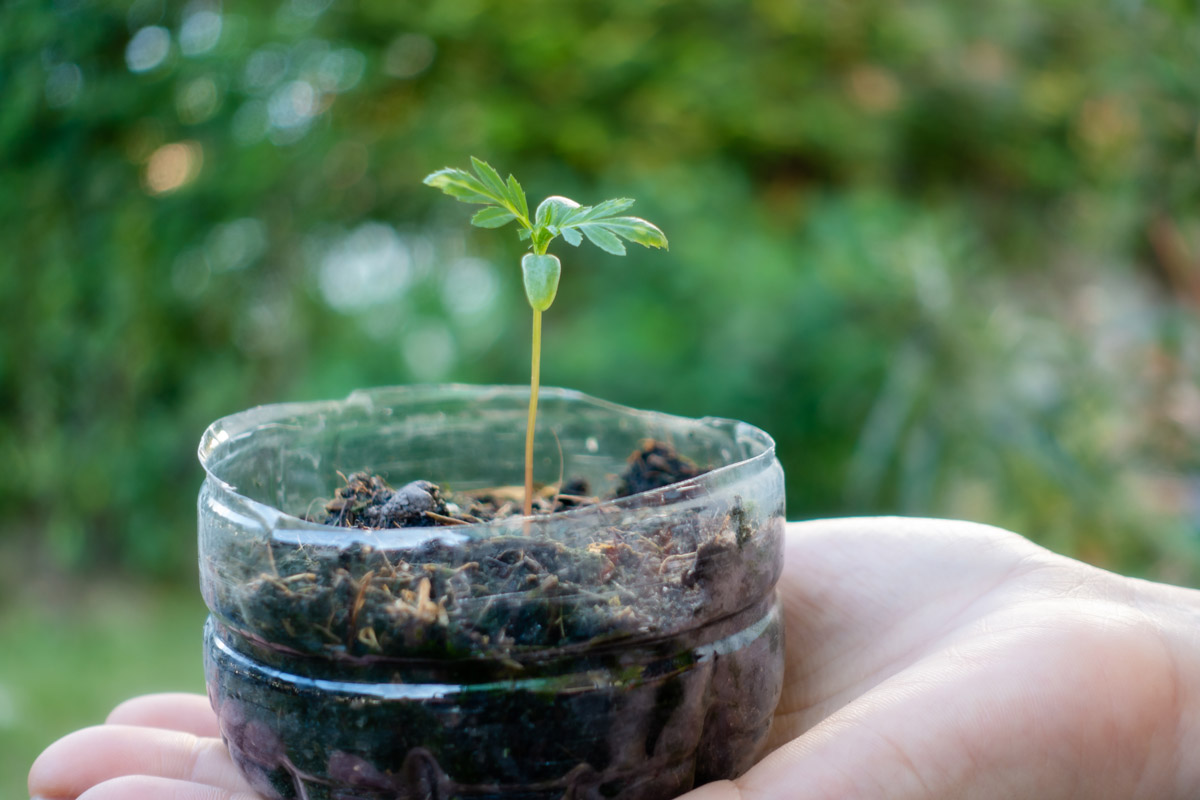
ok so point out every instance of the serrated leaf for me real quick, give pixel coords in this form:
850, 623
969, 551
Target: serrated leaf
608, 208
636, 229
492, 217
554, 209
517, 195
603, 238
572, 236
459, 184
491, 179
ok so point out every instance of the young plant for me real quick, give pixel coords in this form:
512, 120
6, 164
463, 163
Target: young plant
504, 201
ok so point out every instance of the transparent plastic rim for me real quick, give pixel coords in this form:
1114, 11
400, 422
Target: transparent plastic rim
227, 431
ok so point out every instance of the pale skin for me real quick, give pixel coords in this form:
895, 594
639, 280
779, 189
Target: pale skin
925, 659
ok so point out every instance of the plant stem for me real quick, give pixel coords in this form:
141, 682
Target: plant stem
534, 380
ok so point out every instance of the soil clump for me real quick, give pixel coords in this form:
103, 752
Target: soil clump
501, 596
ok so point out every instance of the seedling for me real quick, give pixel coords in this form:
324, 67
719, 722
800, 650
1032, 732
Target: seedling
504, 202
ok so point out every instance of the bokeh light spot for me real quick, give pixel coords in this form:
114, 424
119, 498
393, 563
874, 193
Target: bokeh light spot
197, 101
236, 244
250, 123
63, 85
469, 287
148, 48
369, 266
200, 32
340, 70
429, 351
409, 55
292, 105
265, 68
173, 166
310, 8
874, 89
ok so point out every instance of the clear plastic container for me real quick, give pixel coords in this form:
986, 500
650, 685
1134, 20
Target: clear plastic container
629, 649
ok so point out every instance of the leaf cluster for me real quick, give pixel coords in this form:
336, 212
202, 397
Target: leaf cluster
602, 224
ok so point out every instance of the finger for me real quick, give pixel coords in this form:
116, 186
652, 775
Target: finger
189, 713
92, 756
143, 787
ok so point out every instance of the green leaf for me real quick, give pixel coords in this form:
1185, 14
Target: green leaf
608, 208
600, 224
490, 178
493, 217
603, 238
461, 185
517, 195
573, 236
554, 209
636, 229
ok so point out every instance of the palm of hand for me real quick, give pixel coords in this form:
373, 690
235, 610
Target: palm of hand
925, 660
932, 659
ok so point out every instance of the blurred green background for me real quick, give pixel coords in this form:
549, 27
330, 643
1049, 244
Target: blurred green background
948, 254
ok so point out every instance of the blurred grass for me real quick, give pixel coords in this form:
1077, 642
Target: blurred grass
70, 652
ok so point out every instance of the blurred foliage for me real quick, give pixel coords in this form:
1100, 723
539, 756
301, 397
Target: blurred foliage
948, 254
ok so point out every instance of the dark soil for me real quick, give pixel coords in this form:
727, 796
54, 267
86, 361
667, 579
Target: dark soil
504, 595
367, 501
495, 596
512, 609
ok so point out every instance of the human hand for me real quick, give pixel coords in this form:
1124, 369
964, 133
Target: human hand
926, 659
935, 659
156, 747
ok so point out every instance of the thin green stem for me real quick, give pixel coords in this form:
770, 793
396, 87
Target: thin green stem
534, 381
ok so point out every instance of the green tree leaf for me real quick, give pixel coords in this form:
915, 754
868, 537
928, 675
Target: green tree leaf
517, 195
603, 238
554, 210
493, 217
636, 229
608, 208
490, 178
461, 185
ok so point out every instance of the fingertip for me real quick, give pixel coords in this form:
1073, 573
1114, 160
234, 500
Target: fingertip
52, 761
